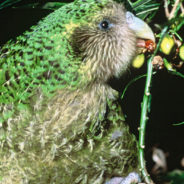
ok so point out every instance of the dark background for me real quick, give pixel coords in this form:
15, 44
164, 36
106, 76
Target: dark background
167, 105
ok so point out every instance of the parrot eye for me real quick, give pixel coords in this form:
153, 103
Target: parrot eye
105, 25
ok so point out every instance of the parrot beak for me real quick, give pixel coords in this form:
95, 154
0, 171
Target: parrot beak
141, 29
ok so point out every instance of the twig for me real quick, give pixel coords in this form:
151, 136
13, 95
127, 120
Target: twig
144, 111
177, 124
182, 9
171, 70
131, 82
167, 14
171, 14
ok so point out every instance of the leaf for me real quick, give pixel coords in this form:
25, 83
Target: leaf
36, 4
175, 176
7, 3
145, 8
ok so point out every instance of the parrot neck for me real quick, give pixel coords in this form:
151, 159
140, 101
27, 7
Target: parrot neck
86, 105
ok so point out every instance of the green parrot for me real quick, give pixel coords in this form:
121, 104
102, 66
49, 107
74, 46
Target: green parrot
61, 122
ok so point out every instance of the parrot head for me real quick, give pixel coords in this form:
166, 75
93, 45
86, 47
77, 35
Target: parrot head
105, 38
81, 43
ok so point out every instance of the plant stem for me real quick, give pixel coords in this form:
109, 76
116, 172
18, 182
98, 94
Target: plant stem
173, 11
177, 124
168, 66
145, 108
131, 82
139, 2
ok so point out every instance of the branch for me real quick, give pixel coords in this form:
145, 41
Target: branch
145, 109
167, 14
182, 9
171, 14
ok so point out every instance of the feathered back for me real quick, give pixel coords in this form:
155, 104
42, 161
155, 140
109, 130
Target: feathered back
43, 57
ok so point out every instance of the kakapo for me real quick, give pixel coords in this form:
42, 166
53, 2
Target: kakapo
60, 120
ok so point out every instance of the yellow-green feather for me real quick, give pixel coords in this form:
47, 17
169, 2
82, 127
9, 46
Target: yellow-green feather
43, 57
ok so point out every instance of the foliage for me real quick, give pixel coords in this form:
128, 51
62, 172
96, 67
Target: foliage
8, 3
32, 4
176, 177
174, 24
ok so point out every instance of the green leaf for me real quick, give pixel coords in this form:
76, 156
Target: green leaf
177, 124
7, 3
175, 177
145, 8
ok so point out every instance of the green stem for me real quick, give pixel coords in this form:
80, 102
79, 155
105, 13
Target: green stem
131, 82
168, 66
139, 2
144, 110
146, 11
177, 124
177, 73
178, 27
130, 2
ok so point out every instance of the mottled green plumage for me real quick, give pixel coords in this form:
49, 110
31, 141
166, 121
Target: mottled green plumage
60, 120
43, 56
